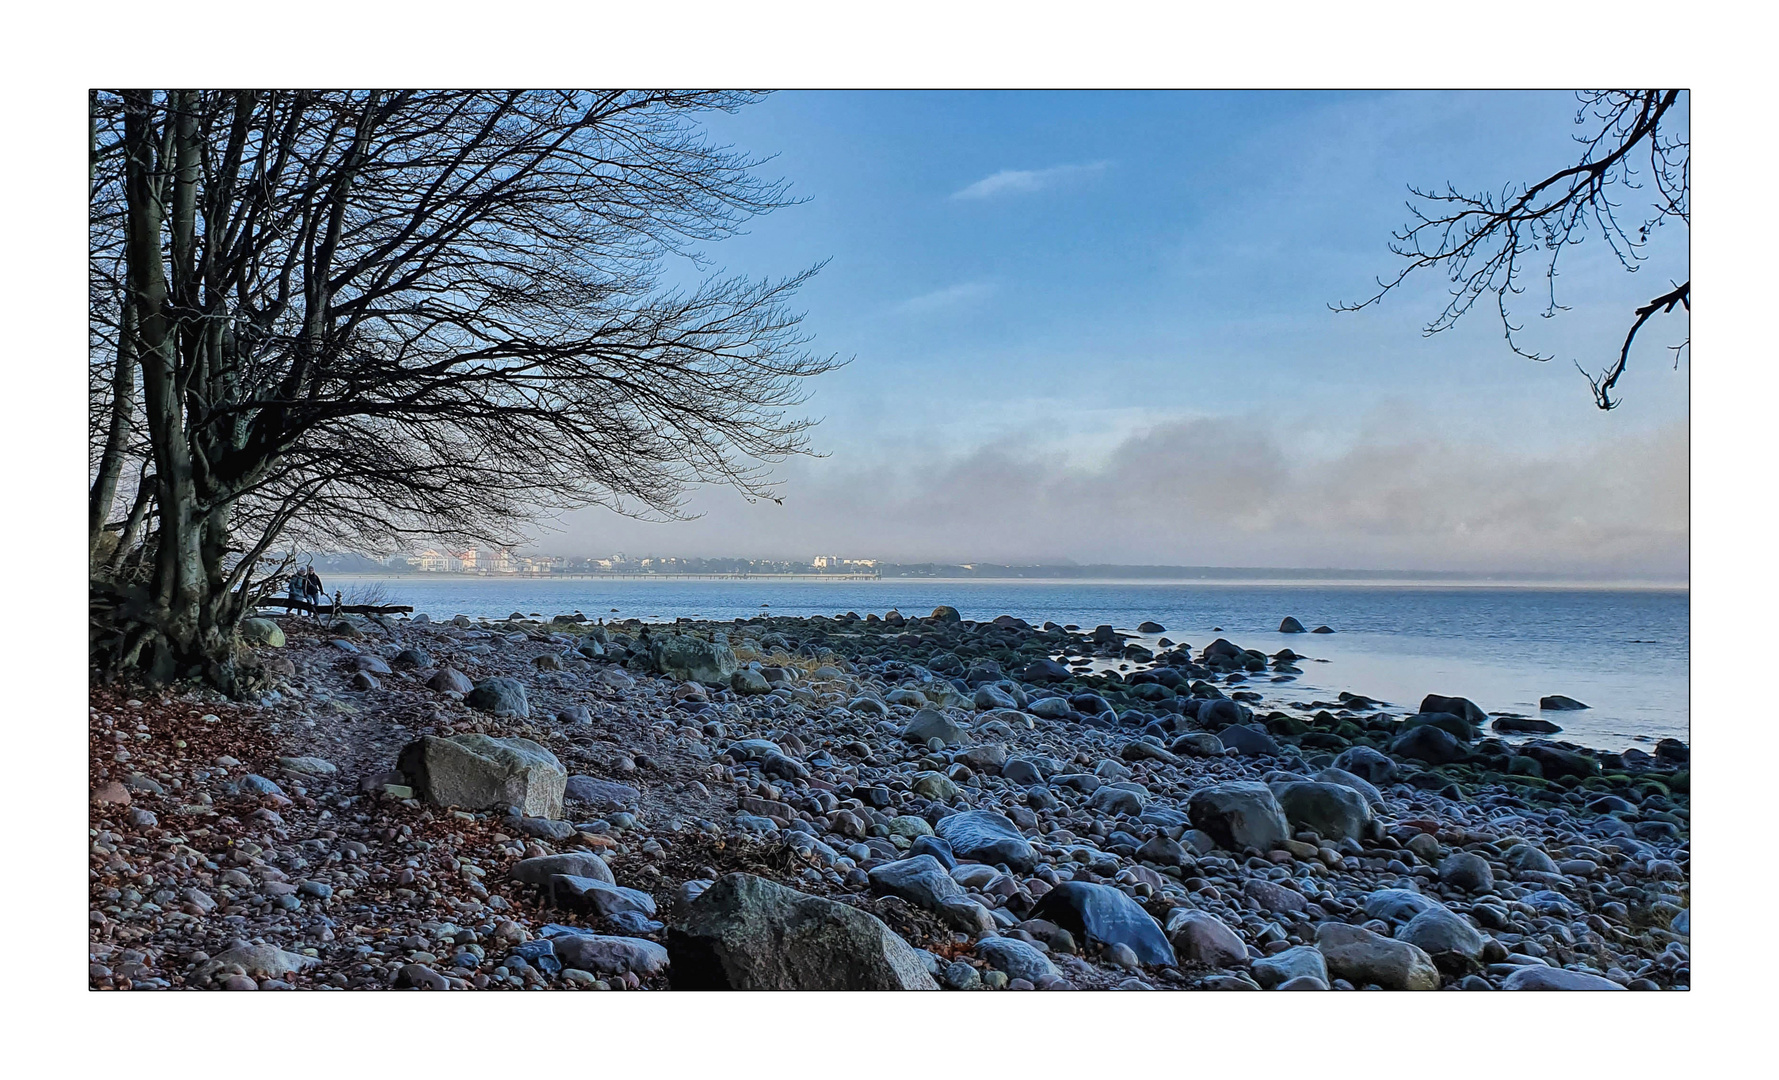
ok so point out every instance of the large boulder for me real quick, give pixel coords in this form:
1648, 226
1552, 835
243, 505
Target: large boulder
598, 897
601, 794
686, 658
1239, 814
501, 696
1289, 625
1301, 961
1331, 811
539, 870
1559, 702
1360, 956
1045, 671
1463, 707
1427, 743
1540, 977
1462, 729
262, 632
1555, 761
1367, 764
611, 955
1249, 741
1018, 959
1468, 871
1443, 935
449, 678
747, 933
933, 724
747, 681
921, 880
987, 837
1344, 778
1104, 916
479, 772
1202, 938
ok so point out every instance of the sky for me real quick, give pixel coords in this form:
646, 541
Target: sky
1095, 326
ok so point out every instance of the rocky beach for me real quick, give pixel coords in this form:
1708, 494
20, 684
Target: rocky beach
857, 802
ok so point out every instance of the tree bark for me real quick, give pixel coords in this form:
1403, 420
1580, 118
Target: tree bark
117, 438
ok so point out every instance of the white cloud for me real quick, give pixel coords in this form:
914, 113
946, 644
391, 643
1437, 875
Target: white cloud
1020, 181
947, 298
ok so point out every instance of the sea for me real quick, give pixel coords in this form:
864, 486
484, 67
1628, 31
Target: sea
1624, 652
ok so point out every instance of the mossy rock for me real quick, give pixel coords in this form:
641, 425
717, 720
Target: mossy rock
1281, 724
1682, 781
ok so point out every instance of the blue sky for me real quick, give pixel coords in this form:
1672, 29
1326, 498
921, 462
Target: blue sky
1046, 295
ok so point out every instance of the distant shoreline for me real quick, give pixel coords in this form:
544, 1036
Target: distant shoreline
862, 579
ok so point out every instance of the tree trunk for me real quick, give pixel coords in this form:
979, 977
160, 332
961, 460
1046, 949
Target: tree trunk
117, 439
180, 626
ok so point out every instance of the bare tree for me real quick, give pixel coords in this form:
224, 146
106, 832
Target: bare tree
1486, 242
362, 316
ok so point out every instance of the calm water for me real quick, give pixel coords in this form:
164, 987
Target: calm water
1622, 651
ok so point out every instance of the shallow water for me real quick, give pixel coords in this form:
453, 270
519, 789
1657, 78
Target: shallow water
1622, 651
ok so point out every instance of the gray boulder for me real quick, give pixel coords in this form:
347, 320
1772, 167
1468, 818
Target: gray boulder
538, 871
479, 772
933, 724
1118, 799
1344, 778
1360, 956
1301, 961
1427, 743
601, 794
598, 897
1443, 935
1559, 702
988, 837
610, 955
1201, 938
1018, 959
1331, 811
690, 659
747, 681
921, 881
1468, 871
1104, 917
1239, 814
747, 933
449, 678
1463, 707
1540, 977
1249, 741
501, 696
1367, 764
1198, 744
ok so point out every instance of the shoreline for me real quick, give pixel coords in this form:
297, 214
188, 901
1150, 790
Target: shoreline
1039, 827
1321, 583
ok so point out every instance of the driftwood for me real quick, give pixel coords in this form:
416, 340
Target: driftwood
338, 609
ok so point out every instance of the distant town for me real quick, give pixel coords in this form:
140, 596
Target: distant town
505, 562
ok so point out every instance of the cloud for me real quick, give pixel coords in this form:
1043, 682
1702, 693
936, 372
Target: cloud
1021, 181
946, 299
1226, 491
